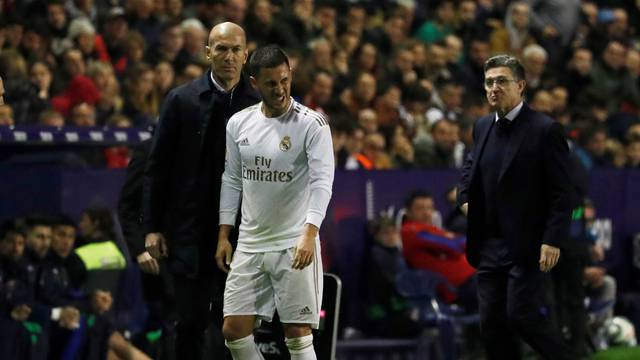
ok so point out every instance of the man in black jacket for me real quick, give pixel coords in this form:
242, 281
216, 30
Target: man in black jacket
182, 184
517, 192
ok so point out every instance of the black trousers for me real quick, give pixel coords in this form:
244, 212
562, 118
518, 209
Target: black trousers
512, 302
569, 295
198, 325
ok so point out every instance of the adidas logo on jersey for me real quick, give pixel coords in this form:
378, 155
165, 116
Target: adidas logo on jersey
305, 311
244, 142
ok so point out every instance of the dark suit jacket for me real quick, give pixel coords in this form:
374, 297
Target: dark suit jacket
184, 169
130, 202
534, 188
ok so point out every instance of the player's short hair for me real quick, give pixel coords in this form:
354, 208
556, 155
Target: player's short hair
269, 57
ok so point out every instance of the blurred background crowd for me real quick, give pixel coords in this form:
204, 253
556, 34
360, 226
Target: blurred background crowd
401, 80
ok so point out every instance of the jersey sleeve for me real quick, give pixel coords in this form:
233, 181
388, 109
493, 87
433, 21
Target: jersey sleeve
231, 189
319, 148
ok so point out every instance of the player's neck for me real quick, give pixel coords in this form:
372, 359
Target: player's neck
273, 112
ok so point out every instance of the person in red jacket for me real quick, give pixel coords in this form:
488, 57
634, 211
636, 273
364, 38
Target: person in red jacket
429, 247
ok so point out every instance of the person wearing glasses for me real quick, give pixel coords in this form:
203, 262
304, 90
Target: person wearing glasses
516, 191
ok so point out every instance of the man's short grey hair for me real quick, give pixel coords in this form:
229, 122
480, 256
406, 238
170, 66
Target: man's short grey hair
192, 23
534, 50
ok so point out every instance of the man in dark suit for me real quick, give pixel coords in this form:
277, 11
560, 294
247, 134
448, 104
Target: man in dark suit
516, 191
182, 185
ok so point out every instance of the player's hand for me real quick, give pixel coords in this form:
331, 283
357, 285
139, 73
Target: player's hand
20, 312
156, 245
549, 256
303, 255
223, 254
148, 264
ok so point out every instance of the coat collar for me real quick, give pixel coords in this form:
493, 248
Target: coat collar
518, 133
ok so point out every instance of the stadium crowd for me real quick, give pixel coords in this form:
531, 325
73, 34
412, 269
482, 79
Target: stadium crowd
401, 81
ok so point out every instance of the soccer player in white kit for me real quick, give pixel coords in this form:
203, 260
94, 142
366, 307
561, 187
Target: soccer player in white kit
280, 163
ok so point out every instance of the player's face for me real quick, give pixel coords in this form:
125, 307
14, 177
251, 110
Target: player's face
274, 84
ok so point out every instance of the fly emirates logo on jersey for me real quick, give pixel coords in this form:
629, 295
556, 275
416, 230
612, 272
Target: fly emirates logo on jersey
261, 171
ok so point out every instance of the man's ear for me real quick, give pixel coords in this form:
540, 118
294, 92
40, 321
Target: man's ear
207, 50
253, 82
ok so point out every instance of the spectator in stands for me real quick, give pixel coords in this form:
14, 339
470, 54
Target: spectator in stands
110, 101
542, 102
42, 78
134, 47
164, 76
142, 101
426, 246
578, 74
388, 106
171, 44
593, 148
319, 95
515, 35
51, 118
439, 153
57, 22
400, 69
386, 312
448, 104
234, 11
195, 34
83, 115
442, 25
82, 35
6, 115
144, 20
467, 27
472, 73
616, 152
366, 59
610, 76
368, 121
372, 156
401, 152
358, 96
353, 144
22, 95
392, 32
115, 33
534, 60
633, 153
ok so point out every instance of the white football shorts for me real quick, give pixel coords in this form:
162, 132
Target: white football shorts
260, 283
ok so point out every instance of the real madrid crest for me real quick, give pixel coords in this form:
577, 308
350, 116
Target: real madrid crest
285, 144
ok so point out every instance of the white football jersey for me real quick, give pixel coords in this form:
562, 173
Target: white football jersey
283, 169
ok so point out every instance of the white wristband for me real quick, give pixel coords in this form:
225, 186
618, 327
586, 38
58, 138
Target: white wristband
55, 313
